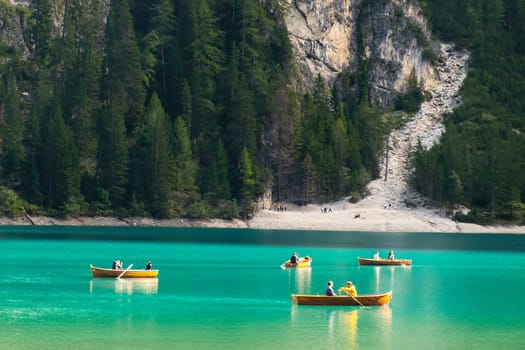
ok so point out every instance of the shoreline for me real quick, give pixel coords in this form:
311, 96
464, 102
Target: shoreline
341, 216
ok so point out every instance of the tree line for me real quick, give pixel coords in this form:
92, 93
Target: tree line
190, 108
171, 109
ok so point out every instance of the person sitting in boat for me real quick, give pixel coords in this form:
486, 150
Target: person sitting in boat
295, 258
117, 265
349, 289
148, 265
329, 291
376, 256
391, 255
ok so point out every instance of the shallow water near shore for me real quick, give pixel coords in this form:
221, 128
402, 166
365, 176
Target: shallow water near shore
224, 295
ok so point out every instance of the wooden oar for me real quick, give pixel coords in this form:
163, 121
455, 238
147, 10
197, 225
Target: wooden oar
126, 270
355, 299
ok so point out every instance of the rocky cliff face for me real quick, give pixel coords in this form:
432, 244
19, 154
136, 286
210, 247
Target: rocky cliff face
333, 36
13, 17
329, 37
12, 26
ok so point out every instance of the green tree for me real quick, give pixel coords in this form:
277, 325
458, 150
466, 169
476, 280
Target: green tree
123, 64
61, 177
413, 97
11, 133
80, 76
206, 59
159, 172
112, 160
41, 25
248, 184
163, 23
310, 180
186, 166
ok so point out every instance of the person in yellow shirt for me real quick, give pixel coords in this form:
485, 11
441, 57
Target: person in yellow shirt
349, 289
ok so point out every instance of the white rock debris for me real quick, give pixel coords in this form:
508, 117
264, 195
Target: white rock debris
425, 127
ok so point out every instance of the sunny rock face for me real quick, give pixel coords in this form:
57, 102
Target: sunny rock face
326, 37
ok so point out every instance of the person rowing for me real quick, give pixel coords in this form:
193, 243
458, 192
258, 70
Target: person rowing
349, 289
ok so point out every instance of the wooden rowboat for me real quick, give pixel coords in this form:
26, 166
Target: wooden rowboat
359, 300
303, 262
397, 262
101, 272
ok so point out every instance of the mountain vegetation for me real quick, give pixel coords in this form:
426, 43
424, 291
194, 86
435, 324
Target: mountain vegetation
480, 161
191, 108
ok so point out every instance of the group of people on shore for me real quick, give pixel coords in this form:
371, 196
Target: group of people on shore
325, 210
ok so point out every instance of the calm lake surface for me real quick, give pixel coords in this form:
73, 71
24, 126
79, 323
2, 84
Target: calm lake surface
225, 290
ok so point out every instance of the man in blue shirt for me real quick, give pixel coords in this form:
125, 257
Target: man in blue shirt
329, 291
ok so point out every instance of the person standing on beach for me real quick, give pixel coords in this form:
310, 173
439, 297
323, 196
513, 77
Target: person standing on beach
329, 291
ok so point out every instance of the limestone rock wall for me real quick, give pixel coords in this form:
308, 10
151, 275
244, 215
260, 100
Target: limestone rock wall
325, 36
12, 27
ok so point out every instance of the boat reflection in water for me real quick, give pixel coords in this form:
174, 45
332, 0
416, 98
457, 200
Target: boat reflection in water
387, 277
346, 319
125, 285
346, 322
350, 320
303, 279
345, 325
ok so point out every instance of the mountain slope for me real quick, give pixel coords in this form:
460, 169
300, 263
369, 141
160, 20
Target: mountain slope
426, 127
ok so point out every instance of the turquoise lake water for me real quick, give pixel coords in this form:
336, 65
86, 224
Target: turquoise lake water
226, 290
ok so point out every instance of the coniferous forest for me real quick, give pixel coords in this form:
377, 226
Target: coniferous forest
192, 108
480, 161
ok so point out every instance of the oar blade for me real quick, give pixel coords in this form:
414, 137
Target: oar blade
126, 270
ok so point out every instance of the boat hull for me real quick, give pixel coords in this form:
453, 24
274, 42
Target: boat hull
303, 262
359, 300
380, 262
99, 272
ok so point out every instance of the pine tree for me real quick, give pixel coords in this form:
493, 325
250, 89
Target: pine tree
112, 160
186, 99
159, 172
220, 172
248, 184
278, 138
123, 63
82, 58
206, 59
215, 183
11, 134
41, 30
310, 180
61, 178
186, 166
164, 24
